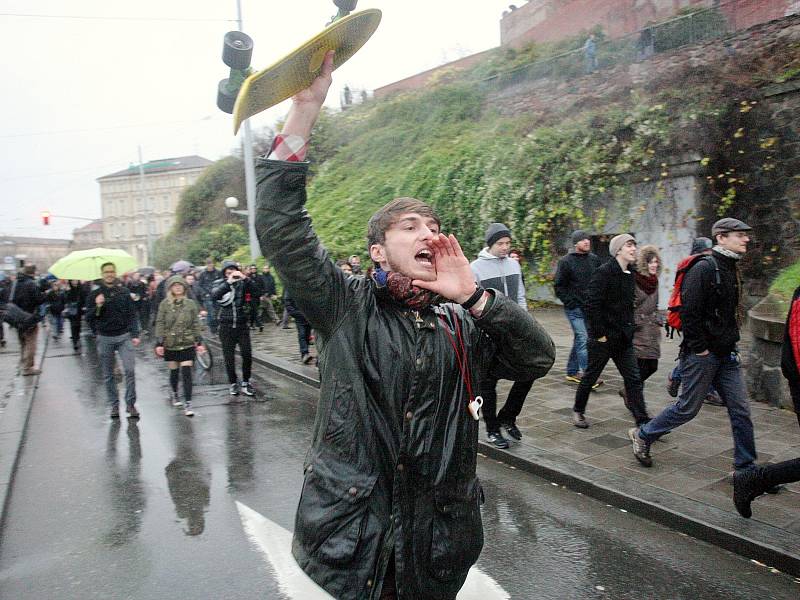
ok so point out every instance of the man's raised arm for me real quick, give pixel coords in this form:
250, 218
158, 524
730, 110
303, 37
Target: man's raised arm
320, 290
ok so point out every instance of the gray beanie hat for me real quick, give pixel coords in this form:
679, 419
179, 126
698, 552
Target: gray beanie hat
579, 235
495, 232
617, 242
700, 244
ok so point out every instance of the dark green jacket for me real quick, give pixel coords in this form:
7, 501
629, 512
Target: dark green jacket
177, 324
391, 470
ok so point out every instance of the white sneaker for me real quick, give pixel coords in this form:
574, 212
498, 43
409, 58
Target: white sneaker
187, 410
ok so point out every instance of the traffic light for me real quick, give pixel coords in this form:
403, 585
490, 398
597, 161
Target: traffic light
45, 217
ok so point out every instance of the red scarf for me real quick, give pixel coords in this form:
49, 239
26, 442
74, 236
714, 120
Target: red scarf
647, 283
400, 288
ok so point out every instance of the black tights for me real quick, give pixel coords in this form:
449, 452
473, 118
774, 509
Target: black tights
186, 375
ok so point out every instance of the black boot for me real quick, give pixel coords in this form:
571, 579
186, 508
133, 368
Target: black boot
748, 484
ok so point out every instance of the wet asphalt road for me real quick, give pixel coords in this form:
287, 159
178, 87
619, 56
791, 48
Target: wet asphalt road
124, 510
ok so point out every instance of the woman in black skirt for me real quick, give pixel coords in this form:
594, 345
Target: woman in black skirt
178, 338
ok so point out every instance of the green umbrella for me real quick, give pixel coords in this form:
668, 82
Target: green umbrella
85, 264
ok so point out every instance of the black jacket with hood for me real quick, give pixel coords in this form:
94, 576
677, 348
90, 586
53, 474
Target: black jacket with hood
391, 470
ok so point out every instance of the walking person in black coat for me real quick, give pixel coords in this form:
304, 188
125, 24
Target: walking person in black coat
76, 299
610, 317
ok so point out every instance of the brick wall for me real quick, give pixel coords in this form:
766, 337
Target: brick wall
419, 80
553, 20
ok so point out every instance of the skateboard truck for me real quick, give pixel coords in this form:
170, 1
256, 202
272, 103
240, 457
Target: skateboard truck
245, 93
345, 8
237, 49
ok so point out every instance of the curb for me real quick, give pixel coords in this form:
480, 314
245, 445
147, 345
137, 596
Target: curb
13, 425
751, 539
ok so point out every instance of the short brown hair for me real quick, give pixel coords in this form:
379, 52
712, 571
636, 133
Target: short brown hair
388, 215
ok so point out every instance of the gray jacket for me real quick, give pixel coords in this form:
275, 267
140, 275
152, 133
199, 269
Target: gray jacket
502, 274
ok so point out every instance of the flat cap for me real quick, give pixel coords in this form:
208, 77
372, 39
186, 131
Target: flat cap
729, 224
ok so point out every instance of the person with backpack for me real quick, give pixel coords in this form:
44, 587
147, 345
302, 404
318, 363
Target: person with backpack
28, 296
700, 247
710, 314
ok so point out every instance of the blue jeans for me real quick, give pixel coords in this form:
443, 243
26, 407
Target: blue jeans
107, 345
698, 374
578, 360
57, 323
303, 333
211, 316
676, 375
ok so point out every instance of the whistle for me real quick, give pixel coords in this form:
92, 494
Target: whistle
475, 408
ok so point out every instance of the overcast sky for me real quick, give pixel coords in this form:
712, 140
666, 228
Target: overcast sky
88, 83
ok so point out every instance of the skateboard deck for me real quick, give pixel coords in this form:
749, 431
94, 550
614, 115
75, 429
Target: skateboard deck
297, 70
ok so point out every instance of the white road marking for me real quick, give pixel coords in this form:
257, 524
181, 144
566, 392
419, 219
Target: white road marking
275, 543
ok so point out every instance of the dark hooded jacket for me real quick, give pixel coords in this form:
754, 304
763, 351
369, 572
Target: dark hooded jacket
235, 311
391, 470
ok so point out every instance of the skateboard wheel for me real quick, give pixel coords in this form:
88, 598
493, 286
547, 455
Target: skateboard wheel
237, 50
226, 99
346, 5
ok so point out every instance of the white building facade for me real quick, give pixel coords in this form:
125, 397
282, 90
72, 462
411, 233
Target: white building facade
138, 209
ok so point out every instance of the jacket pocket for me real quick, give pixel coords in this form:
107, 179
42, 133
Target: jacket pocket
342, 426
456, 532
332, 514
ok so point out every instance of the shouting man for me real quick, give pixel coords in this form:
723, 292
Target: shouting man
390, 506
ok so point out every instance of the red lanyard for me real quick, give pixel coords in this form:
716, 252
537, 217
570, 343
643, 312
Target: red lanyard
473, 404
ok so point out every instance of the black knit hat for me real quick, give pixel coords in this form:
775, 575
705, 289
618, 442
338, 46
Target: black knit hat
495, 232
579, 235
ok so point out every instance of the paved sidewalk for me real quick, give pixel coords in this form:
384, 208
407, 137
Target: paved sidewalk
688, 486
16, 397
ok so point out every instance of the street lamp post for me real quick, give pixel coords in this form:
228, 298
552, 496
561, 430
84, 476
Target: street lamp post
249, 170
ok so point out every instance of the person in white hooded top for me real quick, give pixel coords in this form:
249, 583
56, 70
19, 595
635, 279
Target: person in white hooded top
494, 269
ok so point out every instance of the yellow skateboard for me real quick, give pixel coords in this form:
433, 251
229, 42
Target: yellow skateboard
296, 71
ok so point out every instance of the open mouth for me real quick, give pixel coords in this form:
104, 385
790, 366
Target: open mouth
424, 258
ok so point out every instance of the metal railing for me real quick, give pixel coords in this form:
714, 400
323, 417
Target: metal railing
700, 25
